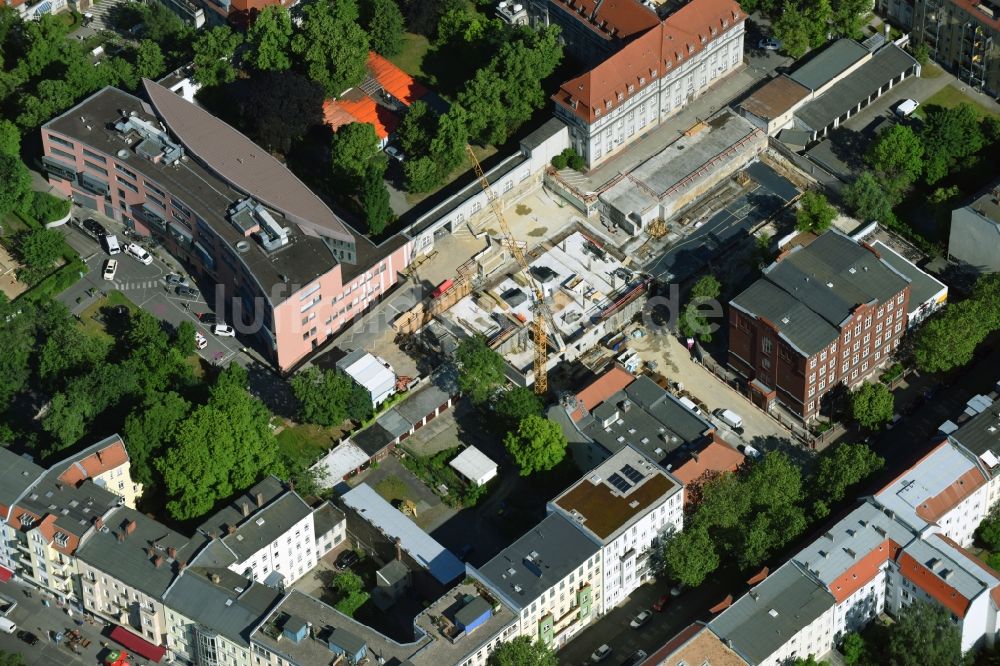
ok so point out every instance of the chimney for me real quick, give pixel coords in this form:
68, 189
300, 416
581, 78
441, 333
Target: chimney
246, 509
98, 523
211, 534
399, 549
214, 578
260, 500
130, 527
172, 553
158, 561
181, 565
120, 536
231, 529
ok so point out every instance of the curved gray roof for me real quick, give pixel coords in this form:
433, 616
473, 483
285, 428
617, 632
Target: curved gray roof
242, 163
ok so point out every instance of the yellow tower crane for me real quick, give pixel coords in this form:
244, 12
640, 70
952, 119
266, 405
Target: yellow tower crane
540, 310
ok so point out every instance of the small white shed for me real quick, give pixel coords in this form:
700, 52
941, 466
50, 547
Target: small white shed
474, 465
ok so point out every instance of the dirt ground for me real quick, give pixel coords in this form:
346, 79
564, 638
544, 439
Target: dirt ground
8, 283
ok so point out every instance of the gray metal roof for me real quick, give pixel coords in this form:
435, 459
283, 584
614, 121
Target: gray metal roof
849, 540
373, 439
951, 566
132, 560
981, 433
549, 128
17, 473
797, 324
472, 611
243, 163
768, 616
975, 231
304, 259
833, 275
394, 572
231, 613
829, 63
326, 517
427, 552
923, 287
888, 63
541, 558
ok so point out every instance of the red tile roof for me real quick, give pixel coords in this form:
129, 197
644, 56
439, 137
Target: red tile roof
111, 456
864, 570
48, 528
621, 19
337, 113
602, 388
716, 457
395, 81
680, 36
930, 583
932, 508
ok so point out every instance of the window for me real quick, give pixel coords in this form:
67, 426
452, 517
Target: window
63, 153
855, 360
844, 368
864, 366
868, 338
766, 345
899, 326
899, 299
847, 336
857, 329
812, 362
62, 142
93, 167
822, 356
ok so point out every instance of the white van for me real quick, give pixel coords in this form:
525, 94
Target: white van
730, 418
6, 626
111, 244
140, 254
907, 107
689, 403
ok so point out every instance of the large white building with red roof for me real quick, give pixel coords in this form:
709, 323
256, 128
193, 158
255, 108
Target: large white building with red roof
658, 68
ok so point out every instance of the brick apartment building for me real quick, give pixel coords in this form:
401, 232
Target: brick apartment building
824, 314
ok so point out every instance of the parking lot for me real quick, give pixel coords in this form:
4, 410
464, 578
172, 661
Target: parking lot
145, 286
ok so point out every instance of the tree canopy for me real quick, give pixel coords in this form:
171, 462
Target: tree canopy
814, 213
690, 556
354, 146
897, 158
269, 40
328, 398
842, 467
872, 405
332, 45
868, 200
15, 183
213, 55
538, 445
949, 338
522, 651
949, 136
384, 22
516, 404
279, 108
350, 588
692, 321
374, 198
38, 250
480, 369
923, 635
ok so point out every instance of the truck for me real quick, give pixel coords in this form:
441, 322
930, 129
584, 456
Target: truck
441, 288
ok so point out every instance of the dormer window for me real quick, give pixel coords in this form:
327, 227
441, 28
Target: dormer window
61, 539
714, 30
725, 23
653, 74
621, 96
631, 89
573, 103
703, 39
691, 48
607, 105
597, 112
642, 80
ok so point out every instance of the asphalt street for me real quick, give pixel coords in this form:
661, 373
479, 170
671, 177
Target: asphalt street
713, 236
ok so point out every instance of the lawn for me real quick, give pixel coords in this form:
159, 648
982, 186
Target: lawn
411, 58
949, 97
12, 225
306, 442
94, 327
393, 488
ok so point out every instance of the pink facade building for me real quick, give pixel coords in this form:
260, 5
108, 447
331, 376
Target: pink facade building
288, 272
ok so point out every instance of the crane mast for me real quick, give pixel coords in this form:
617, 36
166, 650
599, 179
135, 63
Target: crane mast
539, 309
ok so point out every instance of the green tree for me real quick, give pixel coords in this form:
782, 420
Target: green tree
350, 588
38, 250
949, 339
517, 404
414, 133
17, 330
422, 174
818, 14
332, 45
15, 183
279, 108
480, 369
522, 651
329, 398
948, 136
220, 448
353, 147
537, 446
814, 213
63, 350
853, 648
692, 322
269, 40
848, 16
922, 54
150, 429
10, 138
47, 208
374, 197
809, 661
149, 61
924, 635
690, 556
840, 468
897, 158
384, 22
213, 56
872, 405
988, 532
447, 147
868, 200
793, 29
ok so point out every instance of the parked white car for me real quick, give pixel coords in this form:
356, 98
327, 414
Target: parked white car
907, 107
200, 341
224, 331
601, 653
110, 268
140, 254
